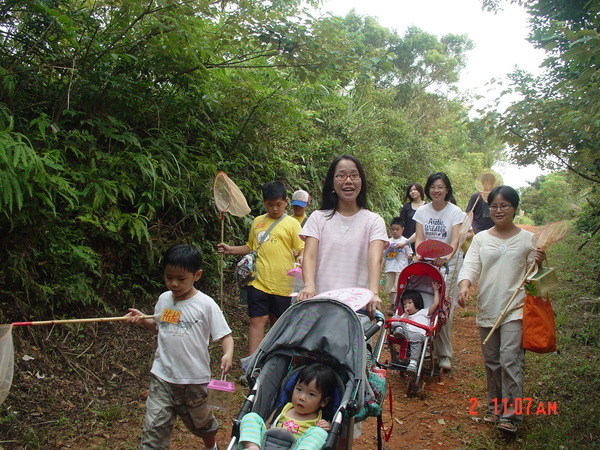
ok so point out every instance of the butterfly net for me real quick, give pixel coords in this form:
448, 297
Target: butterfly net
228, 196
6, 360
552, 233
488, 180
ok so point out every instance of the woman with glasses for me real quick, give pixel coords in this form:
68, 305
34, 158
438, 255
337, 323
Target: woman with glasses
440, 220
344, 241
498, 258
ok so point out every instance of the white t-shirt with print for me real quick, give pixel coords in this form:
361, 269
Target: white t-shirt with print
396, 259
185, 329
438, 224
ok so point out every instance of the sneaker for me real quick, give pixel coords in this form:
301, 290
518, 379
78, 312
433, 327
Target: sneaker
445, 363
412, 366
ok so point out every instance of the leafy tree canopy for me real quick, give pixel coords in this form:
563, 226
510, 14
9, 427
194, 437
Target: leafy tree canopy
115, 117
556, 124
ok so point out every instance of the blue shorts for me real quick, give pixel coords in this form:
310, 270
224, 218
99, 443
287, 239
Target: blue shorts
262, 304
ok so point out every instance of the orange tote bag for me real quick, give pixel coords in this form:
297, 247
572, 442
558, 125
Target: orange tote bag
539, 328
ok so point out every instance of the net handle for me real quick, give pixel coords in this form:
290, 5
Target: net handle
61, 321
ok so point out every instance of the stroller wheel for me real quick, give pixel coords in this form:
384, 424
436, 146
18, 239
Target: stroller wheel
415, 388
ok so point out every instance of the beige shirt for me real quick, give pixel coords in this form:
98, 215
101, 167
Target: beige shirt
499, 265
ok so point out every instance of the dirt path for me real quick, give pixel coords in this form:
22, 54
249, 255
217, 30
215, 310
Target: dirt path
441, 420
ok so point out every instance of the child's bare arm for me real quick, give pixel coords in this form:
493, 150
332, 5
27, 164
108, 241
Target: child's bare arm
227, 359
134, 316
225, 249
270, 419
436, 297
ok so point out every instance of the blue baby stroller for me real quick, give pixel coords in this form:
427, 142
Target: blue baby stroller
316, 330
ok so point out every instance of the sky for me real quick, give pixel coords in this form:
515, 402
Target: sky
500, 44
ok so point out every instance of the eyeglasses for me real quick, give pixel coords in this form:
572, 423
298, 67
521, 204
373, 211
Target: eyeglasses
503, 207
343, 176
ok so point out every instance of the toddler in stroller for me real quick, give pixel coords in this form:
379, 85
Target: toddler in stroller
416, 321
323, 331
299, 422
412, 328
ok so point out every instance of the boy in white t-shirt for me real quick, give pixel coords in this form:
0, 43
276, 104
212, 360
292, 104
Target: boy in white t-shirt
412, 302
395, 257
185, 320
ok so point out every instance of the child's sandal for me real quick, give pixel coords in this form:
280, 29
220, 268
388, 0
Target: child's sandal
507, 427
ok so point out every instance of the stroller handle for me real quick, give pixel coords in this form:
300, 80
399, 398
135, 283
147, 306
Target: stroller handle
380, 322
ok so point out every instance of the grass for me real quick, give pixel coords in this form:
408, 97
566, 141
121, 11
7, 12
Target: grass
570, 376
113, 413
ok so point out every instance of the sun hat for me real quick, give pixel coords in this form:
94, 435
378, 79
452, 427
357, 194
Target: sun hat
300, 198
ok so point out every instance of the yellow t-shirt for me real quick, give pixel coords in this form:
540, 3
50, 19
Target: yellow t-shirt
275, 255
298, 427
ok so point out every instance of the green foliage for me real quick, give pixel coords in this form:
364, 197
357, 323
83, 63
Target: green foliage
114, 119
557, 122
550, 198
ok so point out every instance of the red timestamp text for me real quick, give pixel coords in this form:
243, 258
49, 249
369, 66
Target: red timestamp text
525, 406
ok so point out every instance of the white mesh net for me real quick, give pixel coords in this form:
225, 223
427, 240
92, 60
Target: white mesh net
6, 361
228, 196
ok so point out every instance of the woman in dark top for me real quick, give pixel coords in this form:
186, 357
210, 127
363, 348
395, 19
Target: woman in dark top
415, 196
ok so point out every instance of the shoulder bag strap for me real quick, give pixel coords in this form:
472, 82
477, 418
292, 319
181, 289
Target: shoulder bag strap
264, 236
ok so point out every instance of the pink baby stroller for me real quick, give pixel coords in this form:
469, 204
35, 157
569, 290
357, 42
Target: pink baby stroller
418, 276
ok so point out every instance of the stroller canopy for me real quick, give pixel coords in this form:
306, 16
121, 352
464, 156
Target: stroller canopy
318, 325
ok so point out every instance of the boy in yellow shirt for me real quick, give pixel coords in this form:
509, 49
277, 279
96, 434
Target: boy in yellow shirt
269, 293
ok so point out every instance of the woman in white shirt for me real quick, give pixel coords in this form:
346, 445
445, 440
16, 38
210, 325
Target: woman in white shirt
441, 220
498, 259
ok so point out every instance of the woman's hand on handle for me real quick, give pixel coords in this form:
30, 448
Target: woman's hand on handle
374, 305
439, 262
306, 293
540, 255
